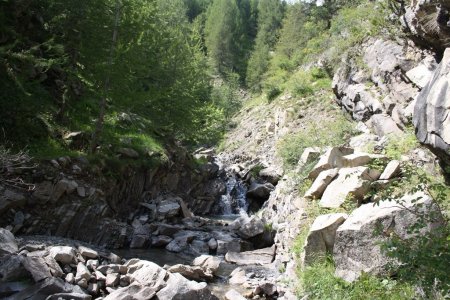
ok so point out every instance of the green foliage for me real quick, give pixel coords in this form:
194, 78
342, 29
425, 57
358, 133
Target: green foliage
317, 134
319, 282
399, 146
419, 260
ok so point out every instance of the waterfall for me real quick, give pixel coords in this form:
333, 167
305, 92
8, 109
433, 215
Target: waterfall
234, 202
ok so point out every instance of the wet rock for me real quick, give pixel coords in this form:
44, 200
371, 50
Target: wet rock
8, 244
192, 272
260, 191
320, 240
234, 295
63, 254
351, 184
161, 241
359, 239
321, 183
256, 257
331, 159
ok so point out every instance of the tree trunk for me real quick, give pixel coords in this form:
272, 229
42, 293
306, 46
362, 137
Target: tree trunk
102, 103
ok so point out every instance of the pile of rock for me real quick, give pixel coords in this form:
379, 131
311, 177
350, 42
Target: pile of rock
69, 272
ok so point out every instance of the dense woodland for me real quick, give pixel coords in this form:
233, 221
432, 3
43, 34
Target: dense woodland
144, 71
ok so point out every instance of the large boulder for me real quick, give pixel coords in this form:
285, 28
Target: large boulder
320, 240
359, 239
8, 244
207, 262
431, 113
351, 184
63, 254
192, 272
250, 227
260, 191
321, 183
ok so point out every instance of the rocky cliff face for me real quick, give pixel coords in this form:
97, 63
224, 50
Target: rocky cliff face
432, 112
73, 198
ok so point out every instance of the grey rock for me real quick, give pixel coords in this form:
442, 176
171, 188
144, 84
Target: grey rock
37, 267
432, 110
8, 244
260, 191
208, 262
270, 175
69, 296
321, 183
179, 288
63, 254
234, 295
392, 170
11, 200
256, 257
161, 240
169, 208
320, 240
87, 252
331, 159
250, 227
112, 279
45, 288
384, 125
132, 292
196, 273
357, 245
82, 272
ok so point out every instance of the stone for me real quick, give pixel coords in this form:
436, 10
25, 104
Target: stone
87, 252
64, 186
237, 277
321, 236
168, 208
11, 200
62, 254
70, 278
10, 288
69, 296
82, 283
112, 279
256, 257
321, 183
92, 264
351, 184
423, 73
187, 213
169, 230
53, 265
359, 239
266, 288
99, 276
234, 295
331, 159
384, 125
309, 155
37, 267
48, 287
161, 241
93, 288
392, 170
8, 244
212, 244
260, 191
11, 268
431, 112
128, 152
147, 273
357, 159
132, 292
192, 272
180, 288
207, 262
199, 247
363, 142
43, 191
112, 268
250, 227
139, 241
270, 175
82, 272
